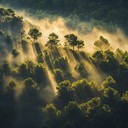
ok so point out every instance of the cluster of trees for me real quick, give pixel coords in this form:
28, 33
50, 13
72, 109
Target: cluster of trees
78, 103
71, 39
100, 12
114, 64
10, 24
25, 94
9, 21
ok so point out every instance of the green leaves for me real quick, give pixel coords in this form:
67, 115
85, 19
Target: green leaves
53, 40
72, 40
35, 33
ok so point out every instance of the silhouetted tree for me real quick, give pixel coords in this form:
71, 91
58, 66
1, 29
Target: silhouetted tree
71, 40
53, 40
35, 34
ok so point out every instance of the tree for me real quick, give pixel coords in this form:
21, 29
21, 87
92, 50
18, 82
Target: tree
73, 113
80, 44
99, 56
35, 34
71, 40
84, 90
61, 63
91, 106
53, 40
109, 82
65, 93
102, 43
111, 96
51, 112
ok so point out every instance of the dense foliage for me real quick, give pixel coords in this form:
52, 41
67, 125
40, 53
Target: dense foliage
105, 13
81, 100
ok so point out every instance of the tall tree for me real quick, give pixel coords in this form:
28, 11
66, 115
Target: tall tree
71, 40
35, 34
53, 40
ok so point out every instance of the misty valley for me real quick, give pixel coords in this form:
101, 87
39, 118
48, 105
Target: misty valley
56, 74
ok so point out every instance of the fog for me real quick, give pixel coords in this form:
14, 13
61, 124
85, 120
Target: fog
60, 26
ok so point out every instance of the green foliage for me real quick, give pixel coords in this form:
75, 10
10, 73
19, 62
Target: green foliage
75, 116
78, 102
84, 90
65, 93
36, 71
84, 10
110, 92
52, 114
106, 61
35, 34
53, 40
61, 63
108, 82
99, 56
29, 83
50, 109
111, 96
7, 12
71, 40
90, 107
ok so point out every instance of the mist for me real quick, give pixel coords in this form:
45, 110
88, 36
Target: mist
32, 74
83, 30
88, 34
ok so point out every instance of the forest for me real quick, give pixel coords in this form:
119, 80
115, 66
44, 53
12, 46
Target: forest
105, 14
51, 77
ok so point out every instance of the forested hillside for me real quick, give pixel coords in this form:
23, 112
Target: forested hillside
106, 13
55, 77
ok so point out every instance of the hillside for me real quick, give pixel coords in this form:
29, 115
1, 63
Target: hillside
52, 76
101, 13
